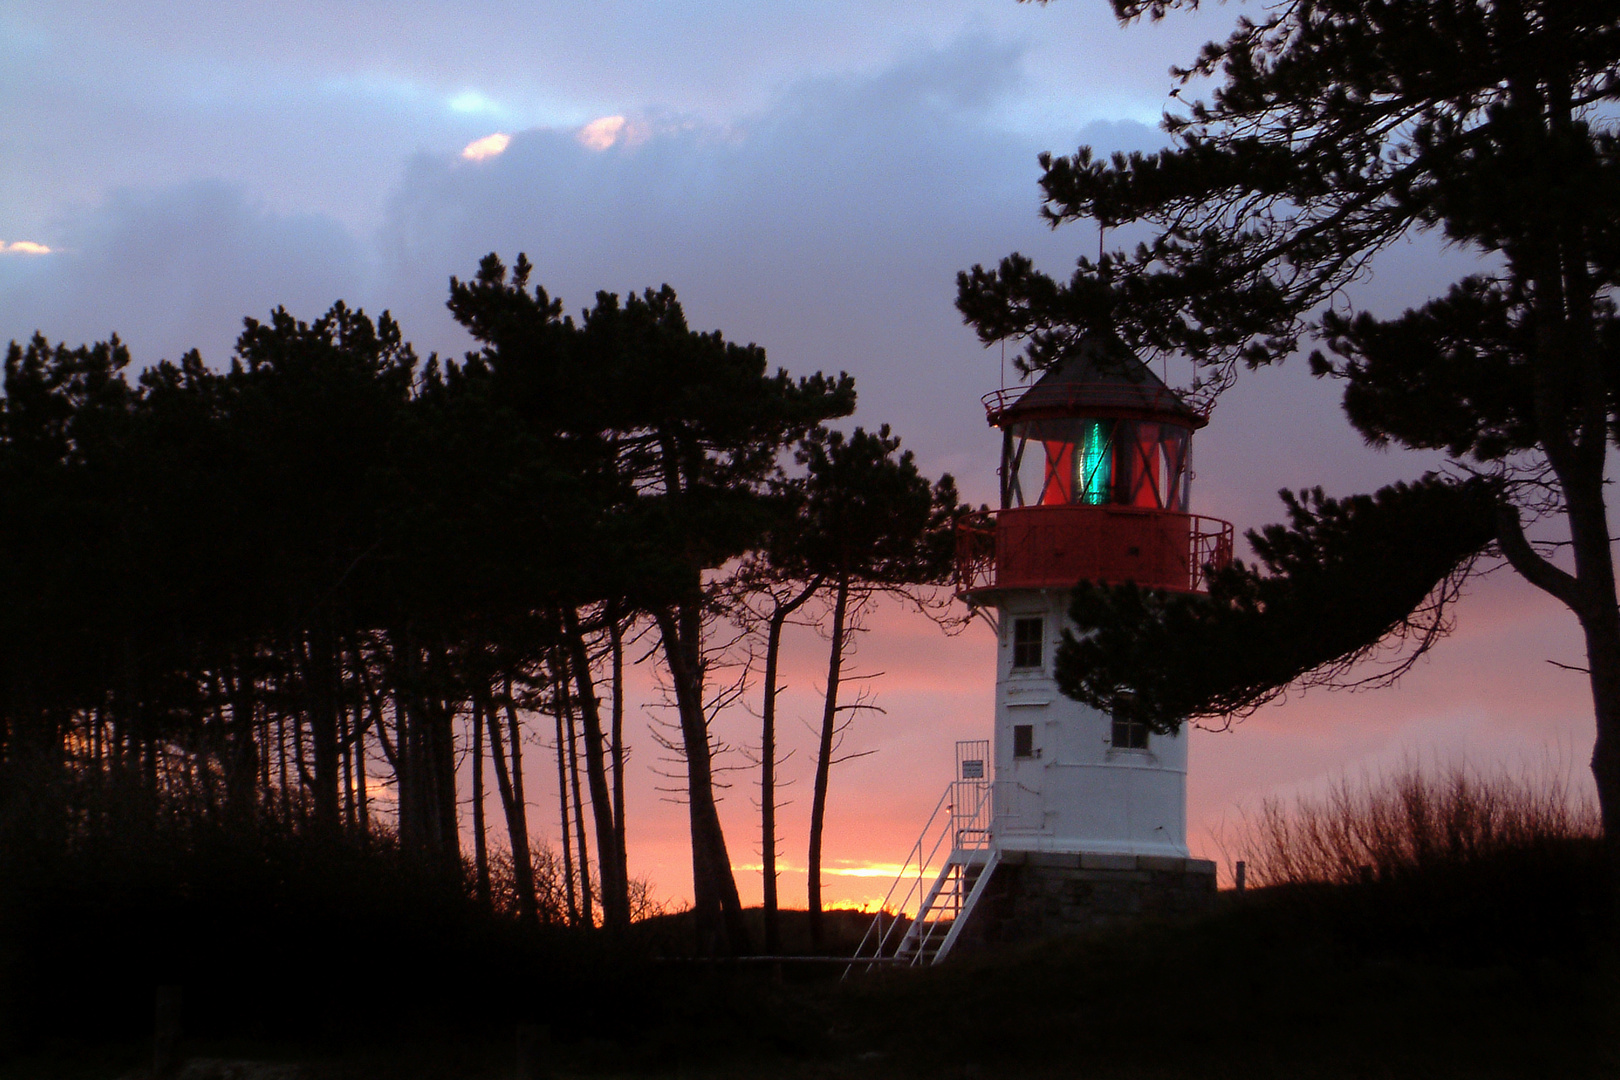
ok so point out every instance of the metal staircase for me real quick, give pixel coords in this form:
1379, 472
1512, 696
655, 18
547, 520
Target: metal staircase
943, 877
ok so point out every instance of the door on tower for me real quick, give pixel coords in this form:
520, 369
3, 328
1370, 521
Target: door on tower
1026, 700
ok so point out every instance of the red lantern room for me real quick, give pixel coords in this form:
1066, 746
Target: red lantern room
1095, 475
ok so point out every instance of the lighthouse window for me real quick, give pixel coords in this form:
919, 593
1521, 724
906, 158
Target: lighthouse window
1093, 462
1029, 641
1060, 461
1173, 445
1023, 740
1137, 478
1130, 734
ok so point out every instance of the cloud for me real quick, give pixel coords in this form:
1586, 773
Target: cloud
601, 133
828, 227
487, 147
23, 247
888, 871
315, 106
471, 101
177, 268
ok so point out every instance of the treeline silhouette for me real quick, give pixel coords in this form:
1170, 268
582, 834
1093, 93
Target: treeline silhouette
256, 618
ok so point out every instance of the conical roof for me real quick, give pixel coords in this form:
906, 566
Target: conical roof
1100, 376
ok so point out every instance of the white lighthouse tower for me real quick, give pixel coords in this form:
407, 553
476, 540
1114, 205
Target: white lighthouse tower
1083, 819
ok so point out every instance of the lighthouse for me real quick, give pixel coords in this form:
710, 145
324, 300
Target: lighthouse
1066, 817
1096, 477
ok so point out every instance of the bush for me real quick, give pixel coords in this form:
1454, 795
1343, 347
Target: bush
1411, 821
273, 931
1452, 866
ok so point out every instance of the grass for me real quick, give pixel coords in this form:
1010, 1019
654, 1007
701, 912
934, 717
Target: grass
1411, 821
1331, 981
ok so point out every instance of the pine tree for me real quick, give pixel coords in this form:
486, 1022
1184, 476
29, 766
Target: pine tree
872, 523
1335, 129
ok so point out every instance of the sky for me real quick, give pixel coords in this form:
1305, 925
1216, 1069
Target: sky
809, 176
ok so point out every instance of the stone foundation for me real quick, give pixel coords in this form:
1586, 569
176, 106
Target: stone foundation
1038, 894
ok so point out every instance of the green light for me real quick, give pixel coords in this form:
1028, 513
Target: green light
1092, 460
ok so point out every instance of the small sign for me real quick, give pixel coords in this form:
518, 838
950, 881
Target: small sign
973, 770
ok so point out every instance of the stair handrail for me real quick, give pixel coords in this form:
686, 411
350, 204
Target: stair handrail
924, 929
878, 935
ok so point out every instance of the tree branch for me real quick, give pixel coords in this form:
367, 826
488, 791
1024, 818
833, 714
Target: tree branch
1531, 566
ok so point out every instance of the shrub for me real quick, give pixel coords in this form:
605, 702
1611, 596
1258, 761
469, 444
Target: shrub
1410, 821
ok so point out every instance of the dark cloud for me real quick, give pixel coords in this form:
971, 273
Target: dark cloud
178, 268
720, 57
314, 106
828, 228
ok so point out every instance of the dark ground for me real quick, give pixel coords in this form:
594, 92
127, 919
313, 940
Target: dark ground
1503, 970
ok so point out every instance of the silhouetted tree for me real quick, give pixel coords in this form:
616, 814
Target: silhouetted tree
776, 582
1336, 128
702, 424
245, 597
872, 523
1338, 583
540, 385
676, 437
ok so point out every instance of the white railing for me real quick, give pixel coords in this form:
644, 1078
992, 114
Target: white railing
921, 916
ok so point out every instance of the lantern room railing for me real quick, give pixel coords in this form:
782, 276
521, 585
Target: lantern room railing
1053, 547
1071, 398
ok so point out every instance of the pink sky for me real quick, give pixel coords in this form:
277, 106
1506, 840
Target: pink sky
1487, 696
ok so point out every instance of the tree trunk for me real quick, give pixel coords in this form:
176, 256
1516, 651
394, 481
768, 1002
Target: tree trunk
1599, 616
242, 754
616, 645
510, 783
1571, 403
320, 692
716, 909
260, 732
441, 743
562, 810
346, 727
406, 752
301, 768
362, 794
566, 707
615, 889
767, 766
281, 756
824, 751
480, 850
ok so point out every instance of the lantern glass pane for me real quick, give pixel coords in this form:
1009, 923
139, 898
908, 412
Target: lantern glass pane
1173, 443
1093, 462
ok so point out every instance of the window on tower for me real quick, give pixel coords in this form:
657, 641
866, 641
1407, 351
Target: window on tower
1023, 740
1029, 642
1130, 734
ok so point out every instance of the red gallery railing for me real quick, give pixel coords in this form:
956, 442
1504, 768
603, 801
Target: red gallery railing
1053, 547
